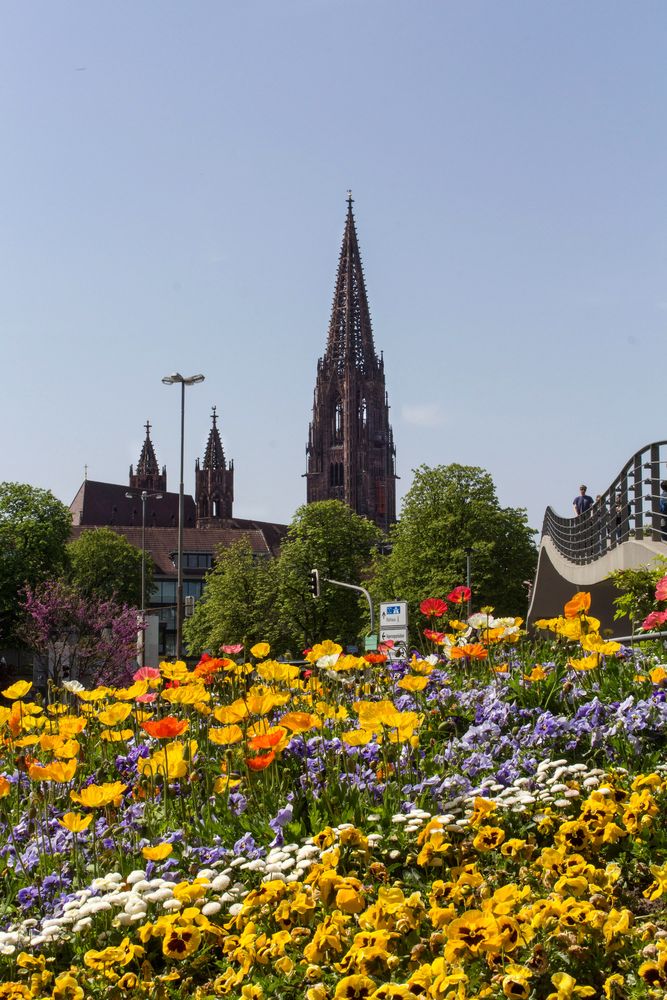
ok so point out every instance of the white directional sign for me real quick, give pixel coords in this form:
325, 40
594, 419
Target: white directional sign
398, 635
394, 614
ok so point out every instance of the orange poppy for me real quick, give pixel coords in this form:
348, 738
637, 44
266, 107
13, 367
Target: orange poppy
459, 595
580, 602
261, 761
375, 657
166, 728
265, 741
474, 650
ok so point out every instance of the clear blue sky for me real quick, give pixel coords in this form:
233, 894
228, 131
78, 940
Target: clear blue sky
173, 198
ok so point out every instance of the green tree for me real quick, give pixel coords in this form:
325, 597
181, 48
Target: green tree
104, 565
34, 529
330, 537
636, 589
449, 511
238, 603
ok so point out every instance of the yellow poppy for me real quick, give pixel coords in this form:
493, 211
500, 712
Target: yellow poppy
99, 796
135, 690
75, 822
114, 714
228, 714
157, 853
116, 735
225, 736
413, 683
186, 694
17, 690
299, 722
260, 650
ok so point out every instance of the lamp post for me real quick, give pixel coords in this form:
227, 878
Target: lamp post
143, 496
175, 379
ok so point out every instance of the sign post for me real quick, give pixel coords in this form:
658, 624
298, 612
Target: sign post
394, 627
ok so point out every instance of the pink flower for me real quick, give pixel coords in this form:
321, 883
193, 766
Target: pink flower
149, 696
232, 650
661, 589
146, 674
654, 619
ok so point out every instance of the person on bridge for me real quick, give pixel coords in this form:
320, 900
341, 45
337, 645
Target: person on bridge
583, 502
663, 508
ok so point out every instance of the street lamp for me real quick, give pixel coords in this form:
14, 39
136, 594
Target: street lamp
183, 380
143, 496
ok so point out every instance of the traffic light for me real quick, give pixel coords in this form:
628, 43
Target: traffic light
314, 583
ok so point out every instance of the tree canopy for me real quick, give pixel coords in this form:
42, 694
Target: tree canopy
104, 565
330, 537
448, 511
34, 529
238, 604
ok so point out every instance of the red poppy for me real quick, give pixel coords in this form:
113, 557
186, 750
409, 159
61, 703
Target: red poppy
387, 644
661, 589
459, 595
261, 761
375, 657
433, 607
172, 684
434, 636
165, 728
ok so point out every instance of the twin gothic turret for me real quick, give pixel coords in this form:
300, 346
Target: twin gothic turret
350, 451
214, 478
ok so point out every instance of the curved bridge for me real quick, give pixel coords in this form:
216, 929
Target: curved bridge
622, 530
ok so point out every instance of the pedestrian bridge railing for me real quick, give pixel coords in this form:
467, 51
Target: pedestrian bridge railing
628, 509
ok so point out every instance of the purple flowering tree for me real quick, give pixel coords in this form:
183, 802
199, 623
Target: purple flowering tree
80, 638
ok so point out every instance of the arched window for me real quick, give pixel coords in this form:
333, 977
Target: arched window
338, 422
363, 414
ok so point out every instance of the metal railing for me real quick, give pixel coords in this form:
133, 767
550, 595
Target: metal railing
624, 511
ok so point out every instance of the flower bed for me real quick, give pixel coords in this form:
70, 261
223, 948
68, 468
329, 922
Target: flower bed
486, 819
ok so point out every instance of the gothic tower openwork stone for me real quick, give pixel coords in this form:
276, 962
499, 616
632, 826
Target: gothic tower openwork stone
214, 482
350, 451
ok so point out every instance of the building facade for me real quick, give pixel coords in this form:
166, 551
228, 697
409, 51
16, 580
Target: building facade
350, 453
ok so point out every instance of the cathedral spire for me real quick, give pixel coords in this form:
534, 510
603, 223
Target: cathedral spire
350, 339
350, 450
214, 481
148, 475
214, 457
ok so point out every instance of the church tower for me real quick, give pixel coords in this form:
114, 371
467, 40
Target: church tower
350, 451
148, 475
214, 482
